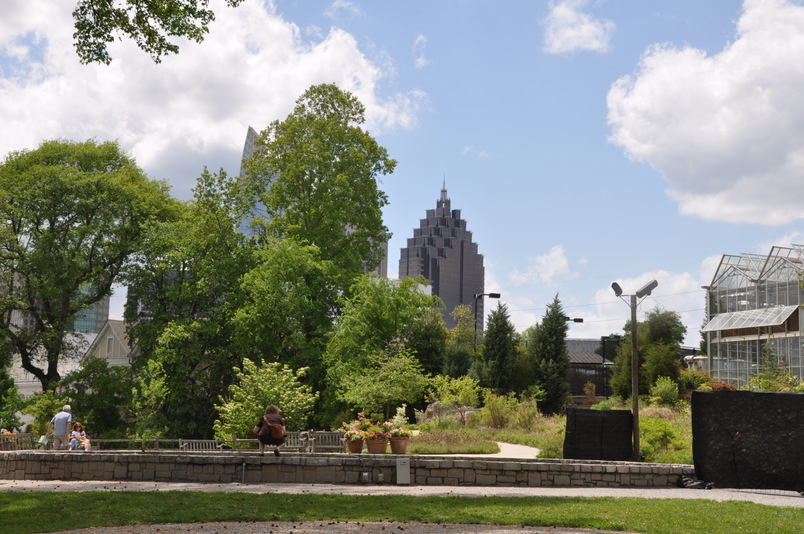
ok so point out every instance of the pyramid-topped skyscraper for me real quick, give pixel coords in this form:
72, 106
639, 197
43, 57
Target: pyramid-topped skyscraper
442, 250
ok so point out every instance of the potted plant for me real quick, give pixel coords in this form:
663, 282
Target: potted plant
400, 439
376, 438
354, 440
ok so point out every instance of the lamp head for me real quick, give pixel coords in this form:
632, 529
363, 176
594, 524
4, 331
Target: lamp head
647, 288
617, 289
494, 295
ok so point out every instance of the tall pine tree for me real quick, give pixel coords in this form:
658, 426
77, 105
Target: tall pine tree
499, 350
551, 366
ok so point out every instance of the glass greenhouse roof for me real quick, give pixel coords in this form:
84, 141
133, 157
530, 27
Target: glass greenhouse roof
750, 318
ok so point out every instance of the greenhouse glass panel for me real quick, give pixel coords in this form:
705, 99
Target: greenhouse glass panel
750, 318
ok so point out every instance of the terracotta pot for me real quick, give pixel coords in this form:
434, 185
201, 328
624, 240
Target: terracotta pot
376, 446
399, 445
355, 447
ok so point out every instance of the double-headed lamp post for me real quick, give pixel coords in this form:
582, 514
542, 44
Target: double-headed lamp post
643, 292
477, 296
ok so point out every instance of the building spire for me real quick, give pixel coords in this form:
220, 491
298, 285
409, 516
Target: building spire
444, 189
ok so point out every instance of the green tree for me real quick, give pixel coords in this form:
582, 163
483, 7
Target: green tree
659, 337
499, 351
426, 337
148, 24
43, 406
378, 312
256, 386
316, 175
288, 306
147, 398
457, 360
391, 377
459, 394
525, 364
183, 295
101, 396
72, 216
463, 333
10, 402
773, 376
551, 360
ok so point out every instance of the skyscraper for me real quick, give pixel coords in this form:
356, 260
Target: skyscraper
442, 250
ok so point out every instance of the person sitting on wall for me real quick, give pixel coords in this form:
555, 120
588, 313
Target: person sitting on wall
79, 438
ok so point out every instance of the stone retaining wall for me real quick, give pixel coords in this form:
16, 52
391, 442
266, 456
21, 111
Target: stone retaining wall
230, 467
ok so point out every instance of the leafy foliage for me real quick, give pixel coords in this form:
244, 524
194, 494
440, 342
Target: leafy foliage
256, 386
427, 338
73, 213
10, 402
390, 377
99, 396
148, 24
454, 393
773, 376
316, 175
43, 407
658, 340
664, 392
378, 312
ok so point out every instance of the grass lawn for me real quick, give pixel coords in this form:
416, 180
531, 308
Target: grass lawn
47, 512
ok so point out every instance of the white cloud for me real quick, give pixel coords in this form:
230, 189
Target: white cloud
546, 269
726, 131
191, 110
342, 6
419, 46
473, 150
677, 292
568, 29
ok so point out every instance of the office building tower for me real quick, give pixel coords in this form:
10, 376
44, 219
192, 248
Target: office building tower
442, 251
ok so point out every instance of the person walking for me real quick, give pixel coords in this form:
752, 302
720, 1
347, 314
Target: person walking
269, 429
60, 427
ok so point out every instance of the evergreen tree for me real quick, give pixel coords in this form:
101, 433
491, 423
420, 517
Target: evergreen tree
658, 340
552, 365
499, 351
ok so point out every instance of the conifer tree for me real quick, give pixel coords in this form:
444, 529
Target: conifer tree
499, 351
551, 360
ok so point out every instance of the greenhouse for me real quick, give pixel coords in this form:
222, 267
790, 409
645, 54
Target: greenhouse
754, 300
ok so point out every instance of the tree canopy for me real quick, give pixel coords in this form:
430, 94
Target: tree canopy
659, 338
71, 216
148, 24
316, 175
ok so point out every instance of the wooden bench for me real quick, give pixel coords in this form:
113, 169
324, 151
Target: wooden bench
200, 445
295, 441
326, 441
18, 442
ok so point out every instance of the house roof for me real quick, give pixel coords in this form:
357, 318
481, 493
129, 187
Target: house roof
583, 351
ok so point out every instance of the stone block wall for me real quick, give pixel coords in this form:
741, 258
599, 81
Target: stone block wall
229, 467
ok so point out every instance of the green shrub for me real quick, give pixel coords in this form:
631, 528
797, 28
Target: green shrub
612, 403
664, 392
664, 441
690, 380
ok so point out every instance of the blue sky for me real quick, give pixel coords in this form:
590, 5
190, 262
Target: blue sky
585, 141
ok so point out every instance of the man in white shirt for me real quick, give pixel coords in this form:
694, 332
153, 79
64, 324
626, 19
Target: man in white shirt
60, 427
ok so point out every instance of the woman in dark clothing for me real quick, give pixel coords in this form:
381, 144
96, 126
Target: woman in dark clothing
271, 416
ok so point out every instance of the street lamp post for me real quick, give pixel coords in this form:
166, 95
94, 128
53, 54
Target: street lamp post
477, 296
643, 292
